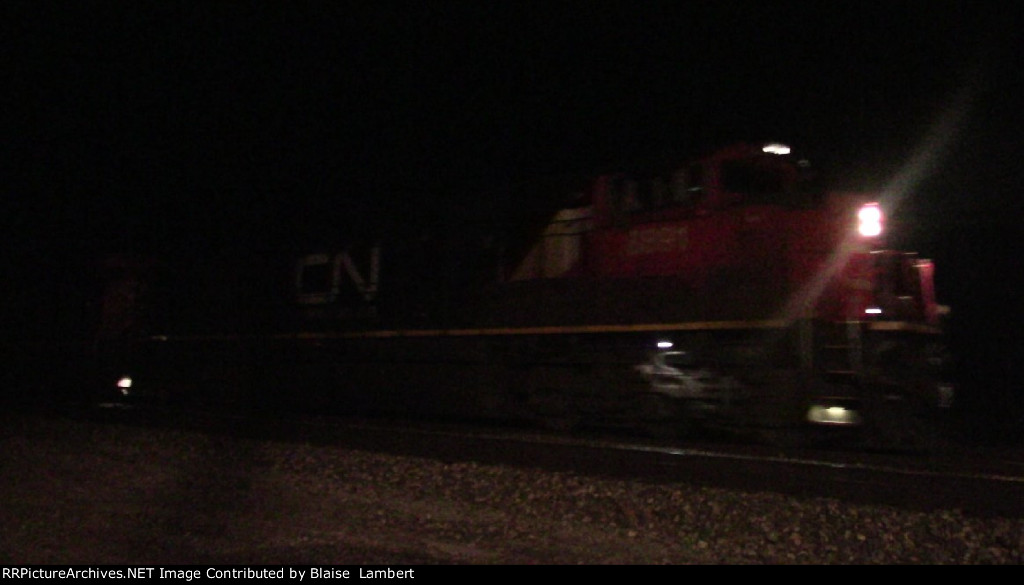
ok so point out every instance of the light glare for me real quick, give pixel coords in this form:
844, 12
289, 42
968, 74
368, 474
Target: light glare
869, 220
664, 344
870, 229
870, 213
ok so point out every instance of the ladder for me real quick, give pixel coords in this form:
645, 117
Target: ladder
840, 355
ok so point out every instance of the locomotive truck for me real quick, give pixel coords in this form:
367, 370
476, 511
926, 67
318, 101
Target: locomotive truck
729, 291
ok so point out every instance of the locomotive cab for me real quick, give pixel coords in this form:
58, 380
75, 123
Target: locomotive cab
744, 240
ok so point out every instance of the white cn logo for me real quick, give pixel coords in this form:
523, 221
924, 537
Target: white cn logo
319, 278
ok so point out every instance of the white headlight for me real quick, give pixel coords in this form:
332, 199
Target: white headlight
869, 220
833, 415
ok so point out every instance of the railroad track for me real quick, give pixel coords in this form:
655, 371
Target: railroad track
978, 482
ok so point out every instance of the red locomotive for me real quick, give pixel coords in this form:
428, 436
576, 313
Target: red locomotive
728, 290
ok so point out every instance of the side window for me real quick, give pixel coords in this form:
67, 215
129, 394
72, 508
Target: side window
757, 176
639, 194
660, 192
623, 194
687, 185
629, 195
653, 192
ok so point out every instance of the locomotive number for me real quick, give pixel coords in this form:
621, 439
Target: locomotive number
655, 240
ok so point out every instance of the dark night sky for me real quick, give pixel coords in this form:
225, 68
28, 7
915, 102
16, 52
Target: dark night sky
137, 125
196, 126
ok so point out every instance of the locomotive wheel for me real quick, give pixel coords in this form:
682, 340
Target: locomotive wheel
561, 424
553, 410
898, 412
895, 424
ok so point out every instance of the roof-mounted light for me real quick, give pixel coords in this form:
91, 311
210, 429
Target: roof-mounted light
775, 148
124, 384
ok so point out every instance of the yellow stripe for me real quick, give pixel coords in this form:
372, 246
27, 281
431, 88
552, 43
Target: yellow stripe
903, 326
556, 330
551, 330
495, 331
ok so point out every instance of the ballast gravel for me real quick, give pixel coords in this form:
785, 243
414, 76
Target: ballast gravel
81, 492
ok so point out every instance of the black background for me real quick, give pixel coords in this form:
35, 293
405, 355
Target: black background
195, 128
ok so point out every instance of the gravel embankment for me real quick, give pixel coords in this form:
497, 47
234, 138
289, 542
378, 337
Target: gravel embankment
79, 492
